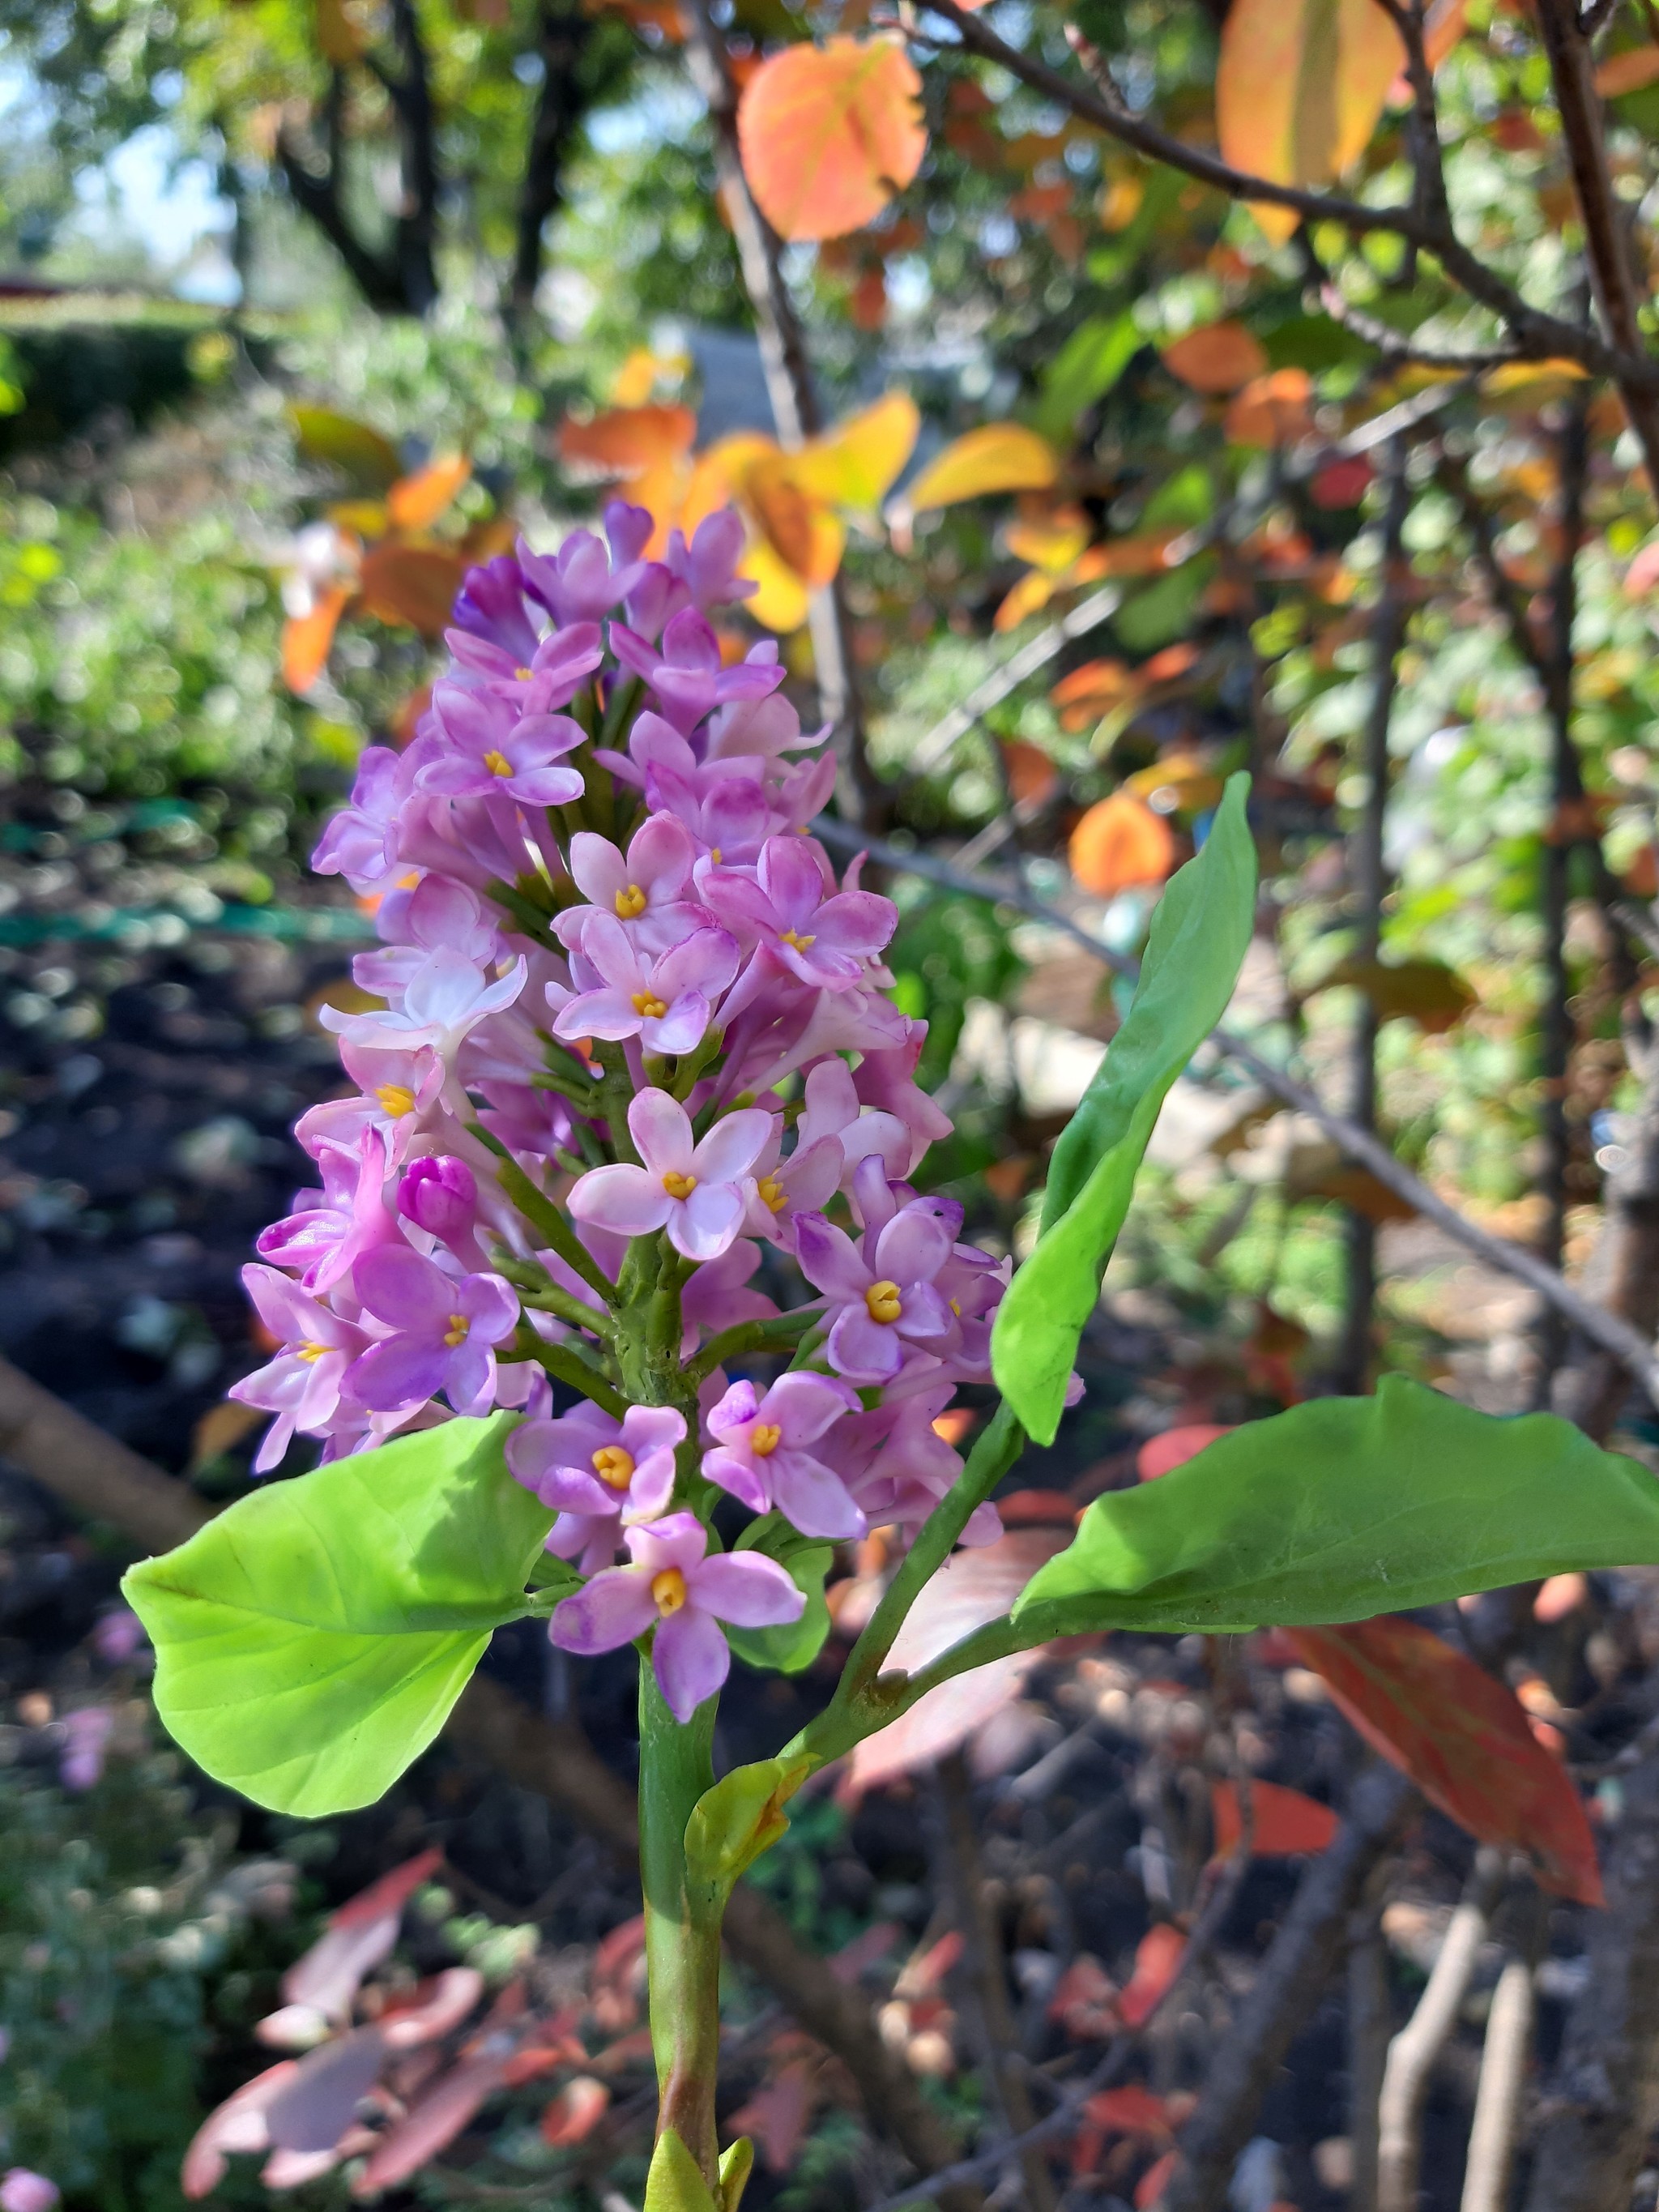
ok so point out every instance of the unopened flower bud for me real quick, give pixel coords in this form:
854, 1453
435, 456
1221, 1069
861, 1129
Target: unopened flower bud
439, 1195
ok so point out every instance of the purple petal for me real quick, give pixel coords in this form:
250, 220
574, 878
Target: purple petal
740, 1475
404, 1290
829, 1259
489, 1305
400, 1372
609, 1014
681, 1028
648, 1429
607, 1613
863, 1350
925, 1311
735, 1410
913, 1247
691, 1659
627, 1200
732, 1145
813, 1498
746, 1588
805, 1406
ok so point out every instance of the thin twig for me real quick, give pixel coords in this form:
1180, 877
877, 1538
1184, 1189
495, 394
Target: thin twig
1497, 2094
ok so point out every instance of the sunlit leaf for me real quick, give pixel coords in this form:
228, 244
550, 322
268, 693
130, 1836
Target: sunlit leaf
311, 1640
1199, 937
1464, 1740
1425, 992
781, 604
359, 451
1343, 1507
856, 464
1299, 90
803, 533
998, 457
829, 133
415, 502
1118, 843
625, 442
1219, 357
307, 639
1630, 71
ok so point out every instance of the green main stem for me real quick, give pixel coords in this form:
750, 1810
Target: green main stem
681, 1927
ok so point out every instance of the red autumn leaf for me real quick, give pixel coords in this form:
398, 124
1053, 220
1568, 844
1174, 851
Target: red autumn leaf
1130, 2110
1157, 1960
1084, 2000
1341, 483
1463, 1739
1173, 1448
777, 2114
412, 583
1121, 842
1150, 2187
1031, 774
973, 1587
1282, 1821
829, 133
575, 2113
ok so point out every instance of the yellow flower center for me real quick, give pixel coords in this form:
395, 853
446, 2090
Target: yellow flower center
311, 1353
630, 903
457, 1331
882, 1301
648, 1006
715, 854
397, 1098
765, 1440
773, 1193
793, 937
678, 1185
668, 1591
497, 763
614, 1466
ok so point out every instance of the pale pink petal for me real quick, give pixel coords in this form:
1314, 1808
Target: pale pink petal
702, 1225
732, 1145
661, 1130
691, 1659
629, 1201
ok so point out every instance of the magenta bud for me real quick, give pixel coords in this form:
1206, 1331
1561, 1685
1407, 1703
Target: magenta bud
439, 1195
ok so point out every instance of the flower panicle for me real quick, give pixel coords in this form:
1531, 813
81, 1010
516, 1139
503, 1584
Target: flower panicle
635, 1075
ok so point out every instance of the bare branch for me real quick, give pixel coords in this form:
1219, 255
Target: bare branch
1499, 2093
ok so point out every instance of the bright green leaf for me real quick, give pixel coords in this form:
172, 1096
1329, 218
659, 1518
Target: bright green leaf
737, 2163
739, 1818
1085, 369
1200, 935
675, 2183
1345, 1507
794, 1644
311, 1641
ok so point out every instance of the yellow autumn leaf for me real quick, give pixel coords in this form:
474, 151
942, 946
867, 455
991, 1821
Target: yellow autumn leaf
780, 603
1053, 542
1028, 596
805, 534
856, 465
1299, 90
641, 373
998, 457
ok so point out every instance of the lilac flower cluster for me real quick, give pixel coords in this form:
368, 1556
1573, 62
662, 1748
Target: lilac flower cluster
633, 1032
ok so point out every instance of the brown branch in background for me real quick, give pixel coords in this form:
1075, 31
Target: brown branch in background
1536, 335
1413, 2051
316, 193
416, 237
1566, 797
1607, 249
97, 1476
1287, 1987
1602, 2102
1369, 2020
795, 408
1500, 2091
1005, 2078
563, 31
1367, 883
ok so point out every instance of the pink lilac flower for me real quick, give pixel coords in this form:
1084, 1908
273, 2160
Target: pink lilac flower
415, 921
546, 679
86, 1732
824, 938
330, 1228
686, 675
803, 1183
707, 567
673, 1587
24, 2192
443, 1332
489, 753
359, 842
833, 1108
598, 1474
696, 1191
878, 1308
727, 814
118, 1636
646, 888
445, 997
440, 1194
301, 1385
578, 583
491, 605
760, 1452
665, 1000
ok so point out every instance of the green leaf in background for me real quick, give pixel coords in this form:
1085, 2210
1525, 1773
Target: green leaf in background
311, 1641
1085, 369
1342, 1508
1200, 935
355, 448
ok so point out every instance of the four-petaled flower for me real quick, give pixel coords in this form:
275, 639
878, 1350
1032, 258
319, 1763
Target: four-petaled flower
686, 675
645, 887
825, 937
665, 1000
760, 1453
673, 1587
874, 1304
301, 1385
444, 1001
444, 1331
493, 754
696, 1192
600, 1475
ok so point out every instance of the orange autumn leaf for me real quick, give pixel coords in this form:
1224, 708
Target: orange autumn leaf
1172, 1448
1158, 1961
1120, 843
1299, 90
801, 533
412, 583
1032, 775
1270, 410
1283, 1822
828, 134
1218, 358
415, 502
1630, 71
627, 441
997, 456
575, 2112
307, 639
856, 465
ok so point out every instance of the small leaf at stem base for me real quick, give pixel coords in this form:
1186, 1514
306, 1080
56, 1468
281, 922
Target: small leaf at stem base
675, 2183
